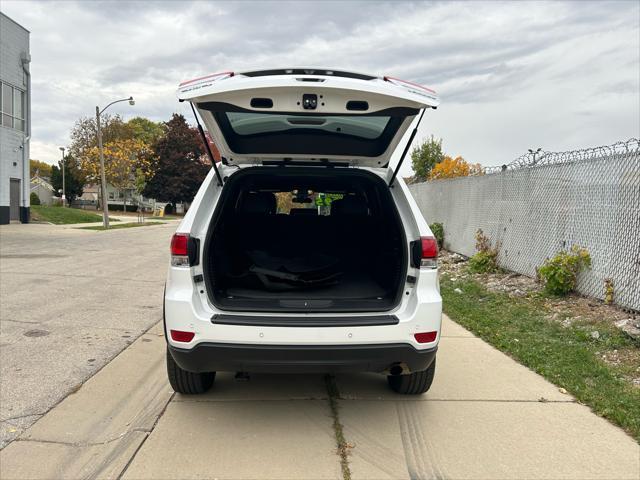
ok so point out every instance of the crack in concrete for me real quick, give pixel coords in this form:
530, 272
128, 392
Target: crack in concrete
85, 444
3, 420
342, 444
21, 321
126, 467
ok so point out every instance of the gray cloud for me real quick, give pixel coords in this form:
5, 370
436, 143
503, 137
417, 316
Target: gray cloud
564, 75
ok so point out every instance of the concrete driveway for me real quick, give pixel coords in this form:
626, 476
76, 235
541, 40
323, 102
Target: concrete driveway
486, 416
70, 301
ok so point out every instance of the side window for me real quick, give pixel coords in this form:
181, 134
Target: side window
13, 108
18, 109
7, 105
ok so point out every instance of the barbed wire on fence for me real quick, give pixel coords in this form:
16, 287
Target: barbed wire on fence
543, 157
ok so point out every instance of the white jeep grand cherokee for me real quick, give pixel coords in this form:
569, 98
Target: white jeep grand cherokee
302, 251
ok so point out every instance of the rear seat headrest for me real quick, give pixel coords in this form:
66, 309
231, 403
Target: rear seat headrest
303, 211
349, 205
259, 203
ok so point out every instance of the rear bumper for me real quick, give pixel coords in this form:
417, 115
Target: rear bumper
221, 357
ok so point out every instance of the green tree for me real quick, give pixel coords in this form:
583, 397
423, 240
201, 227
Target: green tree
140, 181
425, 156
74, 179
146, 130
44, 169
181, 165
84, 134
122, 160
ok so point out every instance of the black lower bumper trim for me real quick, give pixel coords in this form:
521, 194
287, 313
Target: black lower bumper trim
230, 357
305, 321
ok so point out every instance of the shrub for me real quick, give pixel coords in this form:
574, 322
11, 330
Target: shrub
486, 260
483, 262
559, 274
34, 198
438, 231
608, 291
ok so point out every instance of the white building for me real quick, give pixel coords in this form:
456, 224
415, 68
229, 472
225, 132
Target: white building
116, 198
15, 122
43, 189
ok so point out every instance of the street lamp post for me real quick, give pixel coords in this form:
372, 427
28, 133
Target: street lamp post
103, 180
64, 191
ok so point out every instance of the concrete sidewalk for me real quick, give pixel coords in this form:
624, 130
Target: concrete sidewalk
485, 417
119, 220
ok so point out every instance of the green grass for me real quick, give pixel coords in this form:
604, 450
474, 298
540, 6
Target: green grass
122, 225
566, 356
62, 216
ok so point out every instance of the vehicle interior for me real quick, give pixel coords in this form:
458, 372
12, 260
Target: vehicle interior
305, 239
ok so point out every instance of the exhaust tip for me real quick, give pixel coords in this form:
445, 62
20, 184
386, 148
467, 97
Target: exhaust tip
396, 370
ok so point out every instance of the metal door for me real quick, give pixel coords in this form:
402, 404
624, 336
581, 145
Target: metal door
14, 199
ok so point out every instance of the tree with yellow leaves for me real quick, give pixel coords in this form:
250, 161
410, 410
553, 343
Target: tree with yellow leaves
124, 159
454, 167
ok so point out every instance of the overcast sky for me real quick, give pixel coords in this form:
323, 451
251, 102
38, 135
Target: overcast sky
511, 75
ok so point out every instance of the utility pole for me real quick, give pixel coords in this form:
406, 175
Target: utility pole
103, 179
64, 190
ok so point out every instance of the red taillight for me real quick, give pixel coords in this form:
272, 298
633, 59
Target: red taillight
180, 244
180, 336
424, 253
180, 250
424, 337
429, 247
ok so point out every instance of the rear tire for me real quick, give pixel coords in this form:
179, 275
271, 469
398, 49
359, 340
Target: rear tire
414, 383
189, 383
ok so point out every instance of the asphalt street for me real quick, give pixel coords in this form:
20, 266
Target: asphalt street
70, 301
485, 417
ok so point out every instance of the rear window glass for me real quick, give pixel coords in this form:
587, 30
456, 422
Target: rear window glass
297, 200
299, 133
250, 123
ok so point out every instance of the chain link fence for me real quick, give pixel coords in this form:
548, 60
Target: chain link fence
544, 202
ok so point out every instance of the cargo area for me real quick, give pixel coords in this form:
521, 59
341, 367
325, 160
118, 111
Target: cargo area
304, 239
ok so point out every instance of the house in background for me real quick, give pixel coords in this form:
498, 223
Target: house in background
15, 121
43, 189
115, 198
